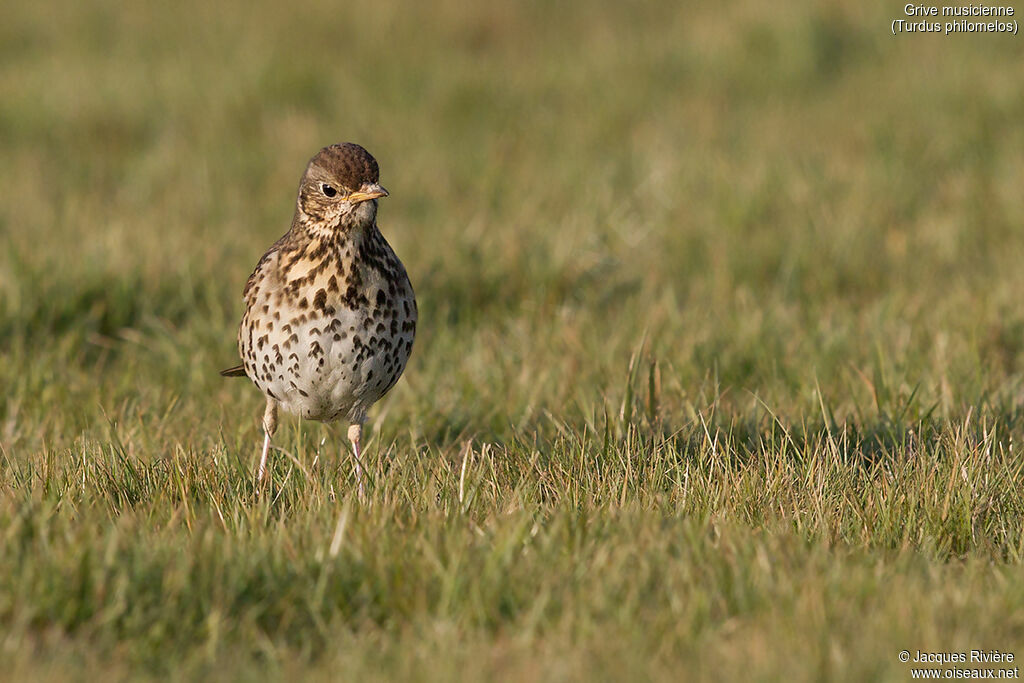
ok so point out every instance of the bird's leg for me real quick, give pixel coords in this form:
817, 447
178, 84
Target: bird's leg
355, 433
269, 427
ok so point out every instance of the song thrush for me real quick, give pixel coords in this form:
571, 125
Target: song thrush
330, 313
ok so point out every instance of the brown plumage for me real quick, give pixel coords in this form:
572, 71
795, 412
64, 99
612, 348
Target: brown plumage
330, 314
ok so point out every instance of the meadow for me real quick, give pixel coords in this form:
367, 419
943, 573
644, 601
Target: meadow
718, 373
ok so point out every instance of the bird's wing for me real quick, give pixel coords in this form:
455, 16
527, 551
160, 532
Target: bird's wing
267, 263
266, 270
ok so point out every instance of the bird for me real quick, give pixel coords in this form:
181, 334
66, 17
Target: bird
330, 314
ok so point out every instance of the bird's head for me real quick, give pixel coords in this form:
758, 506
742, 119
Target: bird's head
339, 189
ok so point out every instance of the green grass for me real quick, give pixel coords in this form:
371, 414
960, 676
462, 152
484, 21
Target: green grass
718, 374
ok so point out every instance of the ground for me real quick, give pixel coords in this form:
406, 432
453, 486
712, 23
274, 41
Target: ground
718, 372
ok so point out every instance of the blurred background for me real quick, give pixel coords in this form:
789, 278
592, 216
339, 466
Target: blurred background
765, 198
657, 246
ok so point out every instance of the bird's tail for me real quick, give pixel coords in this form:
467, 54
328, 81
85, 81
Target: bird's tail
237, 371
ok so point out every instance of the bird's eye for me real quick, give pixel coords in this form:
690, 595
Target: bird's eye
328, 190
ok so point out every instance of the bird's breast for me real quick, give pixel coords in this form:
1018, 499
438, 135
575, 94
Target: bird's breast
332, 333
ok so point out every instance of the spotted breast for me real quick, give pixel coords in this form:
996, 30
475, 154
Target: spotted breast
329, 324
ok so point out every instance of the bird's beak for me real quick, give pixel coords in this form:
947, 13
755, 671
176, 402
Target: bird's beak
367, 192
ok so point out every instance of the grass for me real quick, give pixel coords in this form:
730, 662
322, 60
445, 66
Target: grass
718, 374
